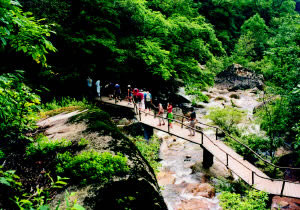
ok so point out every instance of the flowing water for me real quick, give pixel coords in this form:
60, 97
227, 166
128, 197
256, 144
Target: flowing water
183, 180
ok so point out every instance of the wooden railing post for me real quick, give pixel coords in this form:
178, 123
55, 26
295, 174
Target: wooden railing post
201, 138
227, 160
217, 133
182, 122
168, 123
140, 115
253, 177
283, 184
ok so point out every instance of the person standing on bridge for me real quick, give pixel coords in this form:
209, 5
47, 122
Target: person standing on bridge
160, 114
129, 94
170, 114
192, 122
98, 87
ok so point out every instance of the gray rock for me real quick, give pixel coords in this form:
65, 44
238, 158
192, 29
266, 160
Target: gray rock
236, 77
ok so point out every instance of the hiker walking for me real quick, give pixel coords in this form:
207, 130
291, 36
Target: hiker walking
160, 114
89, 87
117, 92
140, 98
148, 101
170, 114
98, 87
192, 122
129, 94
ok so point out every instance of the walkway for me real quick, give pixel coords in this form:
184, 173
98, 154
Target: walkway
242, 168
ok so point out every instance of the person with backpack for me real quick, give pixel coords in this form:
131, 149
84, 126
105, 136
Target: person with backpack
140, 98
192, 122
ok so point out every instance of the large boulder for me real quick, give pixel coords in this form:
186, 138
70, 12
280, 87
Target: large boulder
136, 189
237, 77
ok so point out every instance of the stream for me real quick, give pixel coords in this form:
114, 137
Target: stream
183, 181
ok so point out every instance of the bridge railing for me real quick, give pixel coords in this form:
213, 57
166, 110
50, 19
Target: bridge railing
258, 180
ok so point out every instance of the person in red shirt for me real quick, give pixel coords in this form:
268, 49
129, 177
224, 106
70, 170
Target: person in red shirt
170, 114
135, 92
140, 97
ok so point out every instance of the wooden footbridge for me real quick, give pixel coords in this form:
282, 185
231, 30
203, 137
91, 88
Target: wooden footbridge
215, 148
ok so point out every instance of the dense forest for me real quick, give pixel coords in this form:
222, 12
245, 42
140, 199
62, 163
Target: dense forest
48, 48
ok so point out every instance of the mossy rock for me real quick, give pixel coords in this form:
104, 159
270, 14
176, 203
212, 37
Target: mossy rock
236, 96
220, 98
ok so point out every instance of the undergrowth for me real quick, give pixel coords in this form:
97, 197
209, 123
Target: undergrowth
90, 166
149, 150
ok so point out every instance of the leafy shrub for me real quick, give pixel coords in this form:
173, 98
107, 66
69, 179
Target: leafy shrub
83, 142
226, 118
17, 104
229, 185
91, 166
199, 96
149, 150
44, 145
2, 155
252, 200
40, 198
258, 143
9, 178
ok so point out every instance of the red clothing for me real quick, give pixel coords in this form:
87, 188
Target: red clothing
140, 95
135, 91
169, 108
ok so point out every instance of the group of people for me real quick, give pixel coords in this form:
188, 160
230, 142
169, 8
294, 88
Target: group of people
170, 117
143, 99
90, 89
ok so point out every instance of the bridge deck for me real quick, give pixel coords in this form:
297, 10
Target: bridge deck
242, 168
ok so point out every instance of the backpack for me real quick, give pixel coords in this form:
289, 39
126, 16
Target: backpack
148, 97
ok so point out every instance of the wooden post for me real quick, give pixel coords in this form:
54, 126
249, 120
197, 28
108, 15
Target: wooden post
154, 113
140, 115
226, 160
253, 177
217, 133
208, 158
201, 137
182, 122
281, 193
168, 123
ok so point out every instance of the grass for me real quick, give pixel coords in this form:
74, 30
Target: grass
65, 104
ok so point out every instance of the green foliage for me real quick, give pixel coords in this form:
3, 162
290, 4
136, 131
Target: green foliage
89, 166
71, 205
253, 200
65, 102
149, 150
257, 143
83, 142
233, 186
40, 198
9, 178
199, 96
21, 31
43, 146
17, 104
226, 118
2, 154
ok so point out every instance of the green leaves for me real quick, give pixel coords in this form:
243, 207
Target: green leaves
89, 166
17, 104
22, 32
